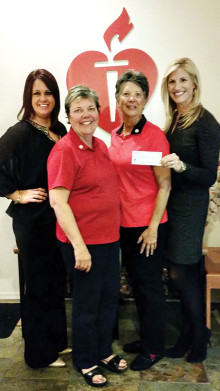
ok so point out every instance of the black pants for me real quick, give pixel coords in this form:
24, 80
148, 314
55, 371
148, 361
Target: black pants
95, 303
44, 317
145, 276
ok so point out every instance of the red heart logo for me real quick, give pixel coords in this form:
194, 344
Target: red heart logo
94, 69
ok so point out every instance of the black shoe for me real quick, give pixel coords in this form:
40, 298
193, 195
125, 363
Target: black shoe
132, 347
176, 351
113, 364
198, 352
182, 346
88, 377
141, 362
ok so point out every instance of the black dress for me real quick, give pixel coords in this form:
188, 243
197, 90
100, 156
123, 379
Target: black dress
23, 165
198, 147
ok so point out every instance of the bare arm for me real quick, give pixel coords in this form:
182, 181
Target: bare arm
149, 236
59, 202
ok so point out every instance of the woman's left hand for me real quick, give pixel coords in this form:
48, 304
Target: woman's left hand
149, 241
172, 161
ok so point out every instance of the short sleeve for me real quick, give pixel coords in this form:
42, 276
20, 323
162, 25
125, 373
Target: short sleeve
60, 169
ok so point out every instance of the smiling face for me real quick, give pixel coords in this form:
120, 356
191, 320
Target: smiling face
83, 117
180, 89
43, 101
131, 101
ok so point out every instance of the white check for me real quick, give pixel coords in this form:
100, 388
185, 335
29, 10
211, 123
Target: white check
146, 158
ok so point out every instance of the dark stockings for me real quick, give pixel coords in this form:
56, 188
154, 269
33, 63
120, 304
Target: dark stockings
187, 281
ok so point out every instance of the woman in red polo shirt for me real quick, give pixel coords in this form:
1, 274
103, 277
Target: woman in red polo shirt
144, 189
83, 190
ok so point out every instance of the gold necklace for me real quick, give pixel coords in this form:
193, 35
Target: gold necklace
42, 128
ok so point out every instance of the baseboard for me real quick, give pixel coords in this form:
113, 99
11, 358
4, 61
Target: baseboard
9, 296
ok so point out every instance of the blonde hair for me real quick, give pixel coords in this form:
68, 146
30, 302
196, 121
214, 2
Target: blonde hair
196, 107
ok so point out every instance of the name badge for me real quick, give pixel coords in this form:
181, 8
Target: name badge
145, 158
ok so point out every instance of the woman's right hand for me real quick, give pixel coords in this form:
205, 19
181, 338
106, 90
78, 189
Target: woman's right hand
83, 259
33, 195
172, 161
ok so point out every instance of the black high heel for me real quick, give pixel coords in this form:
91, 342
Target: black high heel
199, 348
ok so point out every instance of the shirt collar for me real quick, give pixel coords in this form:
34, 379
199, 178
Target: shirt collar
78, 142
137, 129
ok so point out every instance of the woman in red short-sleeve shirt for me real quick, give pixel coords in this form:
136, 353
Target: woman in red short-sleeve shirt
144, 189
83, 189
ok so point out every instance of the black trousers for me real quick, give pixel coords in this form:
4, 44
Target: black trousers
44, 316
95, 303
145, 277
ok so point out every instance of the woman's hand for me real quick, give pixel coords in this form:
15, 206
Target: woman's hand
83, 260
30, 195
59, 197
172, 161
149, 241
33, 195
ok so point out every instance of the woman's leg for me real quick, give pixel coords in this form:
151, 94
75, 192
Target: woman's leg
95, 301
187, 281
44, 321
108, 305
145, 275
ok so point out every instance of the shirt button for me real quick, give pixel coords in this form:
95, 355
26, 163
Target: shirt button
136, 131
80, 146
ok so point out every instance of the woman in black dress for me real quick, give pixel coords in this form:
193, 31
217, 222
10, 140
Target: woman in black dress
194, 137
24, 150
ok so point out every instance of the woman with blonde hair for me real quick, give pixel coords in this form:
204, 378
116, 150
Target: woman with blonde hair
194, 137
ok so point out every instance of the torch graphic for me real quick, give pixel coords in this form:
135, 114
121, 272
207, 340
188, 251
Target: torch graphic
100, 72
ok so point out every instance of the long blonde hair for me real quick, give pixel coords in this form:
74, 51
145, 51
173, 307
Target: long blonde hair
196, 107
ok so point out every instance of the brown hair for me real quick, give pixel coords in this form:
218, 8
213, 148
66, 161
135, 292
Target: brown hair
50, 81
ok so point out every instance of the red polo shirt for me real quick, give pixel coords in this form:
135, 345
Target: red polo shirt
137, 183
91, 178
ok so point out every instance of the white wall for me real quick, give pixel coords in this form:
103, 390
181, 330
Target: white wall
48, 34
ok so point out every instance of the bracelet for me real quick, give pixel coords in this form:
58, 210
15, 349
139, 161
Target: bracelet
183, 167
18, 199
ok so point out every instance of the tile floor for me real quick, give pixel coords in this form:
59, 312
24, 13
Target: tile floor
166, 375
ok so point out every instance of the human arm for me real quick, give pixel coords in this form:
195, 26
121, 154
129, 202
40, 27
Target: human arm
25, 196
59, 202
22, 165
199, 154
173, 161
149, 236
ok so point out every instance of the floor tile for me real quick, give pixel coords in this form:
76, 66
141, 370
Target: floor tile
175, 371
166, 375
173, 387
34, 385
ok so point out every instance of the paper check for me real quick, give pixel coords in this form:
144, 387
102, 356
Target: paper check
146, 158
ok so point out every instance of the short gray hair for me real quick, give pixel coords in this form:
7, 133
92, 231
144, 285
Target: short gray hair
135, 77
80, 92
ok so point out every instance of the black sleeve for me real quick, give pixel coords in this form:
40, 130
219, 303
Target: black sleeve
10, 147
208, 138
